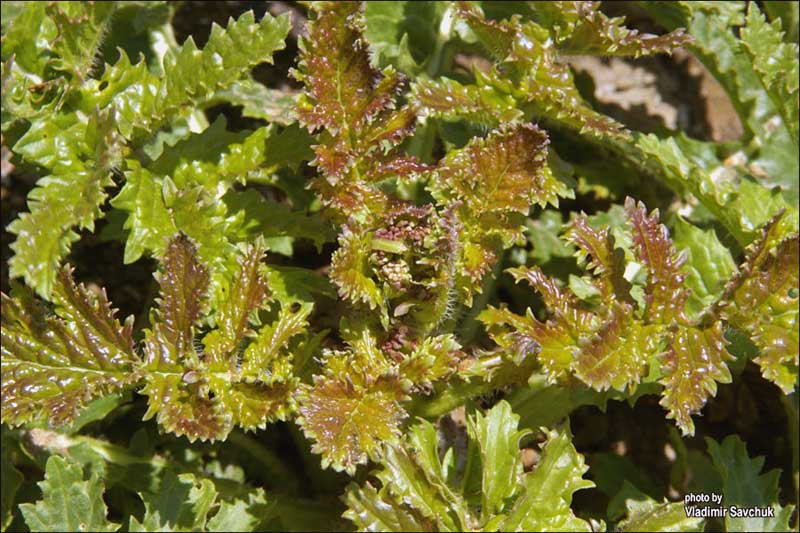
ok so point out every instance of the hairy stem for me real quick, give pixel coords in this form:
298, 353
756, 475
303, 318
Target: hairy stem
447, 399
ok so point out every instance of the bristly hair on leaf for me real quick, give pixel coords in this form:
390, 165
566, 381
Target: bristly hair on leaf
490, 185
762, 299
612, 345
580, 27
354, 104
204, 395
396, 281
127, 105
55, 364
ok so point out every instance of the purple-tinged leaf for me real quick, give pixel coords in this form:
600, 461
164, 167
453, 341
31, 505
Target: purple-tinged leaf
183, 282
182, 406
692, 366
616, 355
763, 300
343, 91
597, 253
505, 172
353, 103
490, 184
665, 293
351, 417
248, 293
582, 28
54, 365
561, 303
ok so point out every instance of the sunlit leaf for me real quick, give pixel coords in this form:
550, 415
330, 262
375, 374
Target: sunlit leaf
54, 365
69, 503
744, 486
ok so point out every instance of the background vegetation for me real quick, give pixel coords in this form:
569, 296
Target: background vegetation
398, 266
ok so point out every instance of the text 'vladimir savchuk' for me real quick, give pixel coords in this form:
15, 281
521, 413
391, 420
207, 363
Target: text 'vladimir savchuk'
703, 505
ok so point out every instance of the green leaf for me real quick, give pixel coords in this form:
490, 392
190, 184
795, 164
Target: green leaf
762, 299
290, 148
498, 439
81, 28
776, 65
413, 488
649, 515
240, 514
181, 504
70, 196
789, 15
215, 158
449, 99
543, 404
52, 366
417, 493
96, 410
257, 101
369, 512
547, 497
146, 101
28, 38
157, 211
729, 60
741, 208
543, 234
128, 97
405, 34
292, 284
708, 265
581, 28
528, 76
69, 503
256, 216
743, 485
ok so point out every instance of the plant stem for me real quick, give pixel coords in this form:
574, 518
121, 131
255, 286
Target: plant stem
454, 395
